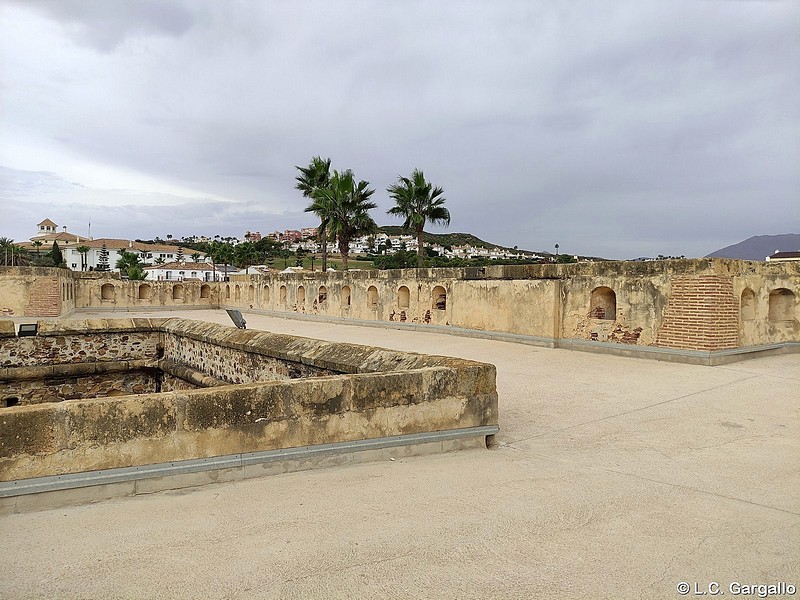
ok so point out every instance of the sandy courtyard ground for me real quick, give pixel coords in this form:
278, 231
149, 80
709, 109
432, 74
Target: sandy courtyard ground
613, 478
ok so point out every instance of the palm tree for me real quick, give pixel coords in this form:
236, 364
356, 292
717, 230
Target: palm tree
83, 251
38, 244
12, 254
313, 177
245, 254
347, 205
418, 202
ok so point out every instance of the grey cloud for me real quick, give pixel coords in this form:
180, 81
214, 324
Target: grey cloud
104, 25
620, 129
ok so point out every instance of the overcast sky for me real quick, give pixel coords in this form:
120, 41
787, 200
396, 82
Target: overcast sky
616, 129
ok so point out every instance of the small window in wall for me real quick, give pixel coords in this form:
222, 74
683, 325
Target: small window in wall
403, 296
747, 308
301, 296
781, 305
439, 298
251, 293
228, 292
12, 401
372, 297
603, 304
177, 292
265, 294
107, 292
346, 295
237, 293
322, 297
144, 291
205, 291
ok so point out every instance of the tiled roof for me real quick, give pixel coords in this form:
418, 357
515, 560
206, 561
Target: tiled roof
117, 244
63, 236
187, 266
47, 222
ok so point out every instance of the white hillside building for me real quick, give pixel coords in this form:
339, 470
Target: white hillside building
175, 271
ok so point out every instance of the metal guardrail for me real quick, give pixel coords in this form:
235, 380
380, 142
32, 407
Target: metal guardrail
53, 483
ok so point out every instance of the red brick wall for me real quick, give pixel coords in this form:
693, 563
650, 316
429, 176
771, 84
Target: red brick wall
44, 297
701, 314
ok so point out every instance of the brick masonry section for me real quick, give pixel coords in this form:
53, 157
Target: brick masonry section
702, 314
45, 298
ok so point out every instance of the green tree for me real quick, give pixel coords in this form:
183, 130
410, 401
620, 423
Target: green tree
244, 255
38, 245
136, 273
418, 202
130, 265
347, 209
102, 260
12, 254
195, 256
84, 250
312, 178
56, 256
127, 259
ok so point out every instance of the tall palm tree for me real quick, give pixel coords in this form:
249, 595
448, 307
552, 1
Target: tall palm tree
12, 254
83, 251
347, 206
418, 202
313, 177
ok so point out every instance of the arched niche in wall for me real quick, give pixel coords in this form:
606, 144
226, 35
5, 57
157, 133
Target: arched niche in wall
603, 304
781, 305
439, 298
346, 295
372, 297
145, 291
107, 292
747, 306
403, 297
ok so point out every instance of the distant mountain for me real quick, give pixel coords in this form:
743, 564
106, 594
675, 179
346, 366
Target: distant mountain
759, 247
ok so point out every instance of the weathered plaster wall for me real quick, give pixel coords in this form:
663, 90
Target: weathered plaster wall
383, 393
108, 291
36, 291
756, 327
545, 301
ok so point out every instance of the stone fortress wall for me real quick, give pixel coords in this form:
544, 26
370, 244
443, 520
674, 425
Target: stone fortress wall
329, 393
702, 305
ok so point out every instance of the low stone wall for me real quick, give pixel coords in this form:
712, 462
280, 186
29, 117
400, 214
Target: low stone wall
377, 393
694, 304
34, 385
82, 341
